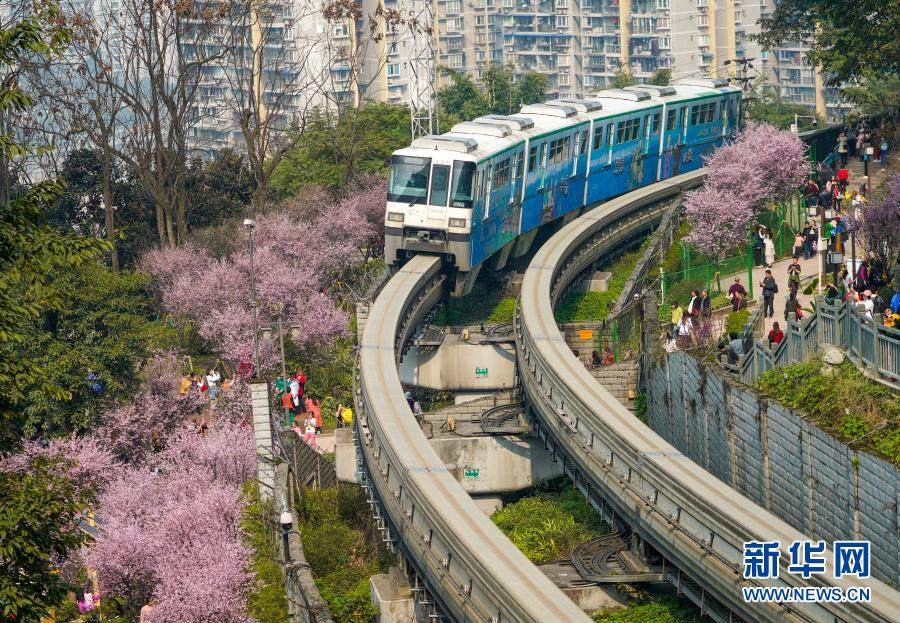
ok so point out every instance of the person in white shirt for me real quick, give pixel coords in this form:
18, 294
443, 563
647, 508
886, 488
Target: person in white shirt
212, 378
295, 390
669, 343
868, 304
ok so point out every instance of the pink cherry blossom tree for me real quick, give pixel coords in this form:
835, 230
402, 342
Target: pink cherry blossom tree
301, 256
763, 165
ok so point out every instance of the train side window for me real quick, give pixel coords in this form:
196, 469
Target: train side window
628, 130
609, 134
584, 141
543, 155
682, 121
598, 137
656, 119
463, 184
440, 184
532, 158
671, 119
501, 174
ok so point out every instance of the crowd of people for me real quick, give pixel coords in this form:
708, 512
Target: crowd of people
206, 383
856, 139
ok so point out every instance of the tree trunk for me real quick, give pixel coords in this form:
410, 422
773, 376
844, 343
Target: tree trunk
181, 215
170, 228
160, 224
108, 216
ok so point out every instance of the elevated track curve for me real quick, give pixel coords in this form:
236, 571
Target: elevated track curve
695, 522
471, 572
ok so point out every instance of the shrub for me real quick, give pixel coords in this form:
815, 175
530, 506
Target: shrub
540, 529
845, 402
666, 610
736, 321
267, 600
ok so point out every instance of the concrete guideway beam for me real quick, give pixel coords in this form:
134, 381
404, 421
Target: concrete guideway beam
694, 520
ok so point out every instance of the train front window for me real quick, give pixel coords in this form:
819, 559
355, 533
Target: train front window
463, 176
440, 184
409, 179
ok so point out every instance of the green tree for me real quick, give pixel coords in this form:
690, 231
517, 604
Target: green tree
623, 79
219, 189
847, 40
767, 107
531, 88
105, 330
31, 250
662, 77
334, 150
874, 95
461, 100
499, 90
38, 510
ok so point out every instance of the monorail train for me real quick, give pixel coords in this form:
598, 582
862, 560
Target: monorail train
485, 187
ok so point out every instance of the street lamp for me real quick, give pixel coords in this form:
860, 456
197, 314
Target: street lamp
286, 519
795, 127
249, 224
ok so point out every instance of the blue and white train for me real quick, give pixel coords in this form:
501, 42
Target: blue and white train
486, 186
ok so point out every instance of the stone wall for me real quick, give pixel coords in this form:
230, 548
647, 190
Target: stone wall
773, 456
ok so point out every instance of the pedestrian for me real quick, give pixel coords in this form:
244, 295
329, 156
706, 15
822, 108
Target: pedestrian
862, 276
417, 409
609, 357
838, 197
280, 385
736, 344
793, 307
895, 303
147, 610
805, 233
312, 407
212, 379
798, 243
596, 359
842, 148
677, 313
185, 385
811, 193
298, 428
758, 247
794, 276
727, 357
705, 305
884, 150
769, 290
770, 249
776, 334
409, 400
693, 308
294, 389
347, 417
669, 343
812, 236
309, 431
684, 328
287, 405
736, 293
831, 294
301, 390
843, 177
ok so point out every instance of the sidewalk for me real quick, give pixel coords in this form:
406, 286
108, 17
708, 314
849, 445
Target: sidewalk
810, 268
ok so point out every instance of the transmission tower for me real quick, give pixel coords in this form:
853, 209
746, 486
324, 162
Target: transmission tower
422, 67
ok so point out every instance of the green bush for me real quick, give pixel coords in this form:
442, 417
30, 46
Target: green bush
267, 600
640, 406
846, 402
736, 321
482, 305
666, 610
595, 306
540, 529
809, 289
343, 551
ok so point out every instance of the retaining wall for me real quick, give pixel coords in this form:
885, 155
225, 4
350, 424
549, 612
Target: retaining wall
773, 456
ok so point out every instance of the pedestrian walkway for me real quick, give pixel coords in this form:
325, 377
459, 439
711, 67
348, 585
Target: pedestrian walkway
809, 269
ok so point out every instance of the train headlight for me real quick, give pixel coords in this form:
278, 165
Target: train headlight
457, 222
395, 217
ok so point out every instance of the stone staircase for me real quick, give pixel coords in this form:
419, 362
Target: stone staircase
620, 380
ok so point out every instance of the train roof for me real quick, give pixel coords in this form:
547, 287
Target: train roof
489, 134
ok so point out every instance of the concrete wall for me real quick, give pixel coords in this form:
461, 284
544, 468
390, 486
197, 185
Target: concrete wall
453, 366
783, 463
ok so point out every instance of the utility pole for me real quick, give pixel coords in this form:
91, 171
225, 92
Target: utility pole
423, 34
744, 65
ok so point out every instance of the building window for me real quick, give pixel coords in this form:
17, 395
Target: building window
341, 30
561, 4
393, 69
562, 21
662, 4
453, 7
455, 60
627, 130
479, 20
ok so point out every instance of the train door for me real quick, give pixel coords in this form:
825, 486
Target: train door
439, 192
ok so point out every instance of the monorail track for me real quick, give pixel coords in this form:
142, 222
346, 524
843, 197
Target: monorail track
471, 571
697, 523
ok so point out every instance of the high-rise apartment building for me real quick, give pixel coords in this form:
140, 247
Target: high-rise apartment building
580, 45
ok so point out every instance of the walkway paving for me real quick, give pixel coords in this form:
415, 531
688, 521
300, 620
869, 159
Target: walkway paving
810, 268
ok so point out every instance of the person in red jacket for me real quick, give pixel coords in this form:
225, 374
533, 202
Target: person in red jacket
843, 177
776, 334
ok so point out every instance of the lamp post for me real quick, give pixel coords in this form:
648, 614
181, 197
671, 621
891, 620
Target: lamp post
286, 520
249, 224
